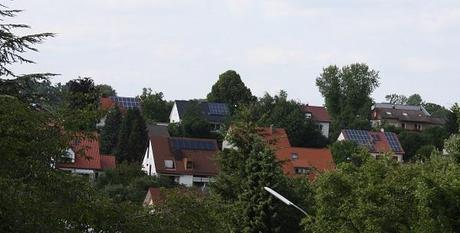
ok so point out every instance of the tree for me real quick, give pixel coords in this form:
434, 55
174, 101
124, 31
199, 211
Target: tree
414, 99
106, 90
345, 151
347, 95
193, 123
110, 131
396, 99
278, 111
132, 138
452, 146
231, 90
154, 107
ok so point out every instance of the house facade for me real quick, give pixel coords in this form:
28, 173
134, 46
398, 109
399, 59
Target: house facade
320, 116
378, 143
213, 113
84, 158
187, 161
408, 117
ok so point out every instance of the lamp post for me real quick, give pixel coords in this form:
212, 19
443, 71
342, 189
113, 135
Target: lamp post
283, 199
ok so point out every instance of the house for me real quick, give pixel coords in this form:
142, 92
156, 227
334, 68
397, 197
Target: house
154, 196
214, 113
187, 161
124, 103
320, 116
378, 143
408, 117
296, 161
84, 158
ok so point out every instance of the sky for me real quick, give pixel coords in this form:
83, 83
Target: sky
180, 47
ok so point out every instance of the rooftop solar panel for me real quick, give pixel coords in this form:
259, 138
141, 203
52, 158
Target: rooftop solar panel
361, 137
187, 144
394, 142
218, 109
126, 102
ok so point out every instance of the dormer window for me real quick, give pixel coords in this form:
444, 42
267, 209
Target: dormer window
169, 164
308, 115
388, 113
189, 165
294, 156
302, 170
404, 113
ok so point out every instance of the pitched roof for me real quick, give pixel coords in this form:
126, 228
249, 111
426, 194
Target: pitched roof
319, 159
212, 112
87, 155
318, 113
376, 142
275, 136
201, 152
404, 113
124, 103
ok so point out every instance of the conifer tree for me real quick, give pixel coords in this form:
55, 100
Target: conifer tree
122, 149
110, 131
138, 137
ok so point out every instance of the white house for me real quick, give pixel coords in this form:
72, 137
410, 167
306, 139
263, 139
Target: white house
320, 116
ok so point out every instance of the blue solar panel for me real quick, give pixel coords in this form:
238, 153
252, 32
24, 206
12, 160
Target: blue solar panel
218, 109
187, 144
361, 137
126, 102
394, 142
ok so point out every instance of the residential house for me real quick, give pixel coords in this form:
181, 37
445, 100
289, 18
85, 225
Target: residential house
214, 113
408, 117
296, 161
84, 158
124, 103
154, 196
320, 116
187, 161
378, 143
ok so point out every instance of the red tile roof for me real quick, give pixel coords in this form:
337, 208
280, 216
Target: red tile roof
87, 155
318, 159
379, 141
203, 160
106, 103
318, 113
275, 136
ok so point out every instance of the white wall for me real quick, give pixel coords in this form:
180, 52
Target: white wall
148, 164
174, 116
186, 180
325, 129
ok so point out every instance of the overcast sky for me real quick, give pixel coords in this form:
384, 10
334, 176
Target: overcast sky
180, 47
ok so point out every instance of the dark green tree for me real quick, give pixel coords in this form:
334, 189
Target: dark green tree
345, 151
123, 148
132, 138
396, 99
230, 89
111, 130
347, 93
106, 90
414, 99
154, 107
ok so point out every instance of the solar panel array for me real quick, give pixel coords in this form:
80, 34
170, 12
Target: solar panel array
126, 102
188, 144
394, 142
361, 137
218, 109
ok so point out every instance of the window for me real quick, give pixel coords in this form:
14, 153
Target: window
189, 165
69, 156
388, 113
302, 170
169, 164
150, 169
404, 113
294, 156
308, 115
403, 125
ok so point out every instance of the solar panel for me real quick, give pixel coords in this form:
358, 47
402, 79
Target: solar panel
393, 141
126, 102
218, 109
187, 144
361, 137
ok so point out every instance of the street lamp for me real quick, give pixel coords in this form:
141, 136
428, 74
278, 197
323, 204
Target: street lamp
283, 199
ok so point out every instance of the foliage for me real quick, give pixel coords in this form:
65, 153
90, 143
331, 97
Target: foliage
424, 153
187, 210
396, 99
346, 151
193, 124
231, 90
278, 111
132, 138
415, 100
452, 146
127, 182
106, 90
154, 107
347, 95
453, 119
384, 196
413, 141
110, 131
